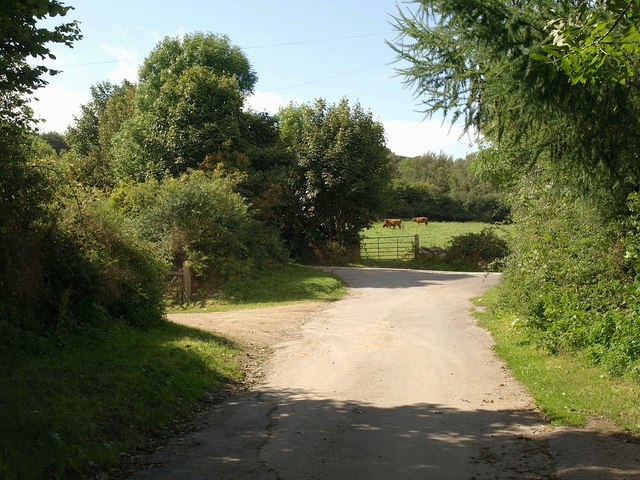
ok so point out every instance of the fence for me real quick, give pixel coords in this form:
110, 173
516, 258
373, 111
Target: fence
403, 247
180, 283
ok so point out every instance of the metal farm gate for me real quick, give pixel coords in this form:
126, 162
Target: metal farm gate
403, 247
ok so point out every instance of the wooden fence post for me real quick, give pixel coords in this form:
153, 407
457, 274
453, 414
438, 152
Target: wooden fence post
186, 280
417, 245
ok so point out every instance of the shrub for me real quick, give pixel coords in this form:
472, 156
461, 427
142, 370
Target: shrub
199, 217
66, 257
108, 267
572, 277
86, 267
472, 250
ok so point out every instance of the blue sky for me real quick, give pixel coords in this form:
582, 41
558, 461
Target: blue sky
300, 51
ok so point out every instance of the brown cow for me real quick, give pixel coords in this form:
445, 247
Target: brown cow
392, 222
424, 220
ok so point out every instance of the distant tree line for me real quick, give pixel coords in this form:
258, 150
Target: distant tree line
443, 188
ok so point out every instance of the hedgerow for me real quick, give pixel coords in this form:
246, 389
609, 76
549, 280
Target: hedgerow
484, 249
199, 218
573, 278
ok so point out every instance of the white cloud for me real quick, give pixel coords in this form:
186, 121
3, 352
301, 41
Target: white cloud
413, 138
267, 102
127, 63
57, 106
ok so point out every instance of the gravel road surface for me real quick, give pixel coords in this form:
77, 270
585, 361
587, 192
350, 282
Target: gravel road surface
395, 381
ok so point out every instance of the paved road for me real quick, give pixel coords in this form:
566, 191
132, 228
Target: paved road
395, 381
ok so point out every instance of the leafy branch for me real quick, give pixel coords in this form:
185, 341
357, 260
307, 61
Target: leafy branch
594, 44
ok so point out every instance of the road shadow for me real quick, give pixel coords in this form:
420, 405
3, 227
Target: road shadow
287, 435
398, 278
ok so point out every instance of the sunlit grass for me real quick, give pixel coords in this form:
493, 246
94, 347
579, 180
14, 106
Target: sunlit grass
276, 286
436, 233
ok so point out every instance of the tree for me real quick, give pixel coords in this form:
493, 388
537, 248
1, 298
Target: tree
336, 187
597, 41
268, 163
189, 102
22, 188
442, 188
431, 168
22, 38
174, 56
472, 60
83, 134
92, 133
56, 141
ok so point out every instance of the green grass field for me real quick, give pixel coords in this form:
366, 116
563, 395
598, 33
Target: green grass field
436, 233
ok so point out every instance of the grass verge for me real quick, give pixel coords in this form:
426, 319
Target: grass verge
75, 405
279, 285
566, 388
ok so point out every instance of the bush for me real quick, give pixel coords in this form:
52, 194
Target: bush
85, 268
199, 217
477, 250
66, 258
107, 267
572, 278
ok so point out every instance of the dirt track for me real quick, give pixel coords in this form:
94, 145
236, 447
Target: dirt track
395, 381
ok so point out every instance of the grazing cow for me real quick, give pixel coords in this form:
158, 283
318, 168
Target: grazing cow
424, 220
392, 222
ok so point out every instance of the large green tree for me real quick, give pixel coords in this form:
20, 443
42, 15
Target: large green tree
173, 56
189, 103
336, 187
473, 59
24, 44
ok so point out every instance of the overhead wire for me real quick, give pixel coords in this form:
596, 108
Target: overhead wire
329, 78
302, 42
320, 40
